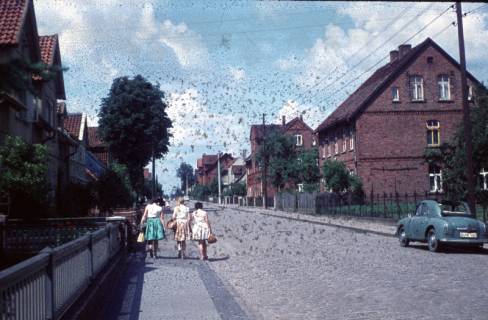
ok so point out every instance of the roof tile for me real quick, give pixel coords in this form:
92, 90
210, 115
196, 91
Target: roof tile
12, 14
72, 123
94, 139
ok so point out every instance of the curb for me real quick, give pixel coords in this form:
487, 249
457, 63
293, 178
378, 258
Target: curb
354, 229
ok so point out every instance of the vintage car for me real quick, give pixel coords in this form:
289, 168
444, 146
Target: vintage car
442, 223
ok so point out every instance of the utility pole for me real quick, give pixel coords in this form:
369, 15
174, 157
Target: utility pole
466, 119
265, 165
153, 193
186, 184
218, 176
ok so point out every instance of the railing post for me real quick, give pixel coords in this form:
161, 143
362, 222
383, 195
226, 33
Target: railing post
49, 292
90, 248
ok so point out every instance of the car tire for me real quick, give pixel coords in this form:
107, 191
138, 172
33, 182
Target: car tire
432, 241
402, 237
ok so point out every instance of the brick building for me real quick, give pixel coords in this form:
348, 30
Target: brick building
206, 170
303, 137
382, 130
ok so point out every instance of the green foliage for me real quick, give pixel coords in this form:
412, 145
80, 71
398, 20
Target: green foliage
23, 177
134, 124
307, 169
278, 150
186, 171
147, 189
235, 189
336, 176
16, 74
113, 189
213, 187
76, 200
200, 192
451, 156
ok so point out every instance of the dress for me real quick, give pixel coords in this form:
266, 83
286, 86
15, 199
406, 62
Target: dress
154, 229
200, 229
180, 213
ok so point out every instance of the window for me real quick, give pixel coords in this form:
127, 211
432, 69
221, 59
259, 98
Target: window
417, 88
329, 150
299, 139
324, 151
395, 94
470, 93
433, 133
484, 179
300, 187
336, 147
351, 140
435, 178
443, 86
344, 143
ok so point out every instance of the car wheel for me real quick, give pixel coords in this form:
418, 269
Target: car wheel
402, 237
432, 241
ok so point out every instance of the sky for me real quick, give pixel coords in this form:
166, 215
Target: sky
222, 64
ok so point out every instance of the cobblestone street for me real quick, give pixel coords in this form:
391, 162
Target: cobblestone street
282, 269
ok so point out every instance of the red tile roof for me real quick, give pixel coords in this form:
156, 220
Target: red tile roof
102, 156
208, 159
258, 129
12, 14
48, 48
72, 123
295, 120
93, 139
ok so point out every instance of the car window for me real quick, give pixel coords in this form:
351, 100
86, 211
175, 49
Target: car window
418, 212
454, 208
425, 210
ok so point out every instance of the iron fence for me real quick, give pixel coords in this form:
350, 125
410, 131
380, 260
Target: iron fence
46, 285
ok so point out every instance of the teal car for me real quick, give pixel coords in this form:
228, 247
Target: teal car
442, 223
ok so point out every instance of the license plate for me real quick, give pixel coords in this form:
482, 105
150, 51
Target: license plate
468, 234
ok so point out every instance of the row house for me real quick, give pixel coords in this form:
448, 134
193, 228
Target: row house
302, 135
382, 130
234, 173
32, 114
207, 167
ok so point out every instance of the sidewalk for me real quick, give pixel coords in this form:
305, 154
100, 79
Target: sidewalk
365, 225
170, 288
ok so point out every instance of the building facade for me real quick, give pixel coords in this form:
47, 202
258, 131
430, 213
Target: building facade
304, 140
382, 131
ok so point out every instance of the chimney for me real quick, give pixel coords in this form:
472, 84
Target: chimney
301, 117
404, 49
283, 120
393, 55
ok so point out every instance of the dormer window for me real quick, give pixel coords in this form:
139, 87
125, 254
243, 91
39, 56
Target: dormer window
443, 87
470, 93
395, 94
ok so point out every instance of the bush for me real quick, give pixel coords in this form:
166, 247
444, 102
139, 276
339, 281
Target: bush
24, 178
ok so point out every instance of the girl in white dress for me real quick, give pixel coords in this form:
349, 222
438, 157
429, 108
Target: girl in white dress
201, 229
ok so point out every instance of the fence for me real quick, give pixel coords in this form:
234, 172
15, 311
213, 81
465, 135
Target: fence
46, 285
392, 206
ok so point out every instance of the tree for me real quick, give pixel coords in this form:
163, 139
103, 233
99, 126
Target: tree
307, 170
200, 192
177, 192
213, 187
23, 177
235, 189
113, 189
451, 155
186, 173
134, 124
278, 150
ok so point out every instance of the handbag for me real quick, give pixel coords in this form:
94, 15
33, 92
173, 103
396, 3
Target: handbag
140, 238
212, 238
171, 224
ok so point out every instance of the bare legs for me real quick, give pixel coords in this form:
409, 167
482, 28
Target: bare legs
181, 249
153, 248
202, 246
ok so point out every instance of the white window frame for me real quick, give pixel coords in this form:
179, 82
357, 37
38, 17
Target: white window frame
300, 187
329, 150
344, 144
437, 186
324, 154
351, 140
484, 179
417, 88
470, 93
299, 140
336, 147
395, 94
443, 86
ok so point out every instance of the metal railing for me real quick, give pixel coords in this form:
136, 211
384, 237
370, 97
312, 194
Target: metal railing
46, 285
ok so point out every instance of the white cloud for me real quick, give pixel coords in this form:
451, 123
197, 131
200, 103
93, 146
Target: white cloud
291, 109
238, 74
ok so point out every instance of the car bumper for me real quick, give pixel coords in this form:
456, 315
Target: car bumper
464, 241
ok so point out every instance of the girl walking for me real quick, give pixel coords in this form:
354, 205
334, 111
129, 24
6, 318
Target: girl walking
153, 213
201, 229
181, 215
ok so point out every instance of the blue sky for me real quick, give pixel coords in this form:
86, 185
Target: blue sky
223, 63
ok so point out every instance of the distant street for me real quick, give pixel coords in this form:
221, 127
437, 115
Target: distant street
283, 269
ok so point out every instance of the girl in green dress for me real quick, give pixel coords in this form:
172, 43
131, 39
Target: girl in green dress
153, 213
